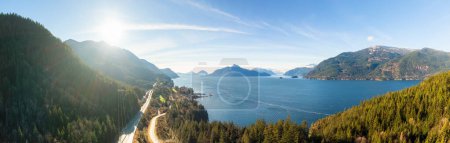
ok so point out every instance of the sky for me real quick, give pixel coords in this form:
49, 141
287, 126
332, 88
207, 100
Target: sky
280, 35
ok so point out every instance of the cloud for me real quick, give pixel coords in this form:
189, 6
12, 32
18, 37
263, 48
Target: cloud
180, 27
276, 28
223, 13
306, 31
370, 38
212, 9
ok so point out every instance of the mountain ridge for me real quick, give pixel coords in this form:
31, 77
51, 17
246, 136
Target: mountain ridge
236, 70
117, 63
168, 72
381, 63
264, 70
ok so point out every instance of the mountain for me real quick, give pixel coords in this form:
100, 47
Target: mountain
417, 114
48, 95
415, 65
169, 73
236, 70
150, 66
300, 71
117, 63
262, 70
202, 73
355, 65
382, 63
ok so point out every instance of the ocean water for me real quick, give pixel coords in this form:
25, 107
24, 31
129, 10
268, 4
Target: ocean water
242, 100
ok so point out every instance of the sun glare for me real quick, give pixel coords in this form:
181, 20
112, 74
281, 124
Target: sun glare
111, 31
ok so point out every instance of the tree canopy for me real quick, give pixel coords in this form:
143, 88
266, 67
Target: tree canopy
416, 114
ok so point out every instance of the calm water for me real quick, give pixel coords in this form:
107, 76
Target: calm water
243, 100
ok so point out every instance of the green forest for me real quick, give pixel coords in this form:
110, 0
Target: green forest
48, 95
417, 114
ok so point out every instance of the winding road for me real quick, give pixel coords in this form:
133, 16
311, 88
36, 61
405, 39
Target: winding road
152, 131
130, 129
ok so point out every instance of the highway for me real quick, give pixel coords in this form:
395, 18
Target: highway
128, 132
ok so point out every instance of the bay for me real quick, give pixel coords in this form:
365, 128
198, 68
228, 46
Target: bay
243, 100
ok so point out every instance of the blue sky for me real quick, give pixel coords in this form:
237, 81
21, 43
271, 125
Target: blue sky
270, 34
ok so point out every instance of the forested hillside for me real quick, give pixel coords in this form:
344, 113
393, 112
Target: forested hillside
415, 65
48, 95
416, 114
119, 64
382, 63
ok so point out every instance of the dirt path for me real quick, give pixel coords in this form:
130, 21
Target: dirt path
152, 131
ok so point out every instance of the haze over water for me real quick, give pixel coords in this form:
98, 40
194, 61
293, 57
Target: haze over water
243, 100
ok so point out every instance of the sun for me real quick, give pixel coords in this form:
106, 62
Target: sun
111, 31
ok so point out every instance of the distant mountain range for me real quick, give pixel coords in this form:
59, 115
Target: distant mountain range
263, 70
117, 63
236, 70
202, 73
382, 63
169, 72
300, 71
373, 63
